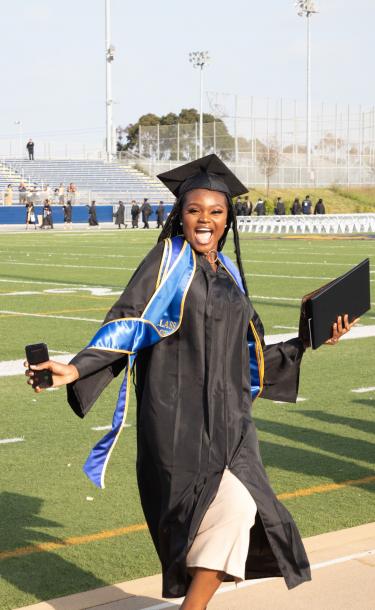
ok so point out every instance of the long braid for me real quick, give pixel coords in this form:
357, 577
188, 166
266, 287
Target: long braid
237, 249
173, 227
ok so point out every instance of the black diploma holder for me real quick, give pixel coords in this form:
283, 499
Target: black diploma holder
347, 294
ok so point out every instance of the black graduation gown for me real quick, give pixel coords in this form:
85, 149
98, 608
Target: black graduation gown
120, 215
194, 420
92, 215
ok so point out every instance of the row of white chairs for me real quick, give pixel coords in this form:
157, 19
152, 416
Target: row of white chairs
312, 224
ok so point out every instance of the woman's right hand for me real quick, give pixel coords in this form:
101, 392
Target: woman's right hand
61, 373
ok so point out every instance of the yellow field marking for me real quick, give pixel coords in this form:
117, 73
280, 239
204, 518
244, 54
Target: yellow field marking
73, 541
47, 313
139, 527
326, 237
318, 489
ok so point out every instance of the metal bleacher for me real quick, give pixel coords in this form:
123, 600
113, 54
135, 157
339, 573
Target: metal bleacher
99, 180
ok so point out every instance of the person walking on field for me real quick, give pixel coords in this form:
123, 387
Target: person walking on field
185, 324
160, 212
120, 215
146, 213
67, 208
135, 211
93, 222
47, 215
319, 207
31, 218
30, 149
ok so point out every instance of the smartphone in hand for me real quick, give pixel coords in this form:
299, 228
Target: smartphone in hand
35, 354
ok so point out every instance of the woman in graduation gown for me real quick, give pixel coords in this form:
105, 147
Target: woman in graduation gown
211, 511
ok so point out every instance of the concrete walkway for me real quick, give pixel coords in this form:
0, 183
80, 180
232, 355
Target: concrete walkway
343, 565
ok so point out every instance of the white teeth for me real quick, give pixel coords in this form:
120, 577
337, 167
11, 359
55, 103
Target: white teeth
203, 236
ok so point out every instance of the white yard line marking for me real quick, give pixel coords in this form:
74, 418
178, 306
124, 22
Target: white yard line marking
15, 367
282, 402
304, 263
292, 277
364, 390
286, 327
45, 282
75, 255
102, 290
96, 292
42, 315
109, 427
66, 266
258, 296
22, 293
253, 583
49, 253
5, 441
56, 265
270, 298
358, 332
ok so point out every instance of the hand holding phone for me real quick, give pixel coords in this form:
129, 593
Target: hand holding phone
36, 354
57, 374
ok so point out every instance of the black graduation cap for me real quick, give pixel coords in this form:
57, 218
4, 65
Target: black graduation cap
205, 173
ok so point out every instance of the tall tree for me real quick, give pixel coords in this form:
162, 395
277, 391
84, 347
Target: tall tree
160, 136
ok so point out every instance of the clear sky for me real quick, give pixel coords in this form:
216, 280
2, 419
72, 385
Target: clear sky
53, 66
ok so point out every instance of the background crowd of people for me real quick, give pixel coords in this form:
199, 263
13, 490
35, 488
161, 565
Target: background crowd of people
45, 220
245, 207
36, 195
66, 197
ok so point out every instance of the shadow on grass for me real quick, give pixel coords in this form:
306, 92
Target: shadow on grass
351, 422
345, 446
367, 402
310, 463
44, 575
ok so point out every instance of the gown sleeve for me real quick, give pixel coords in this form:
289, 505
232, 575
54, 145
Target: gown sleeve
282, 363
98, 367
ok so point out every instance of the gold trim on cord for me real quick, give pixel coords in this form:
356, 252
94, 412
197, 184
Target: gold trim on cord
259, 355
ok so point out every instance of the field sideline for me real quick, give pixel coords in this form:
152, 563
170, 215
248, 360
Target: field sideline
57, 287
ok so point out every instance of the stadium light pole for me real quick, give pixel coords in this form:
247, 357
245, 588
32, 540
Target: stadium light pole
200, 59
306, 8
109, 55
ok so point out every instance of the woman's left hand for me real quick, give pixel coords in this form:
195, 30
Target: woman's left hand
340, 328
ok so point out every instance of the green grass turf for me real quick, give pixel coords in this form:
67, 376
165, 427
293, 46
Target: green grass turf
327, 438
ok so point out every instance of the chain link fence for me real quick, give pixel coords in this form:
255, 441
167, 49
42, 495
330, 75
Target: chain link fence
247, 129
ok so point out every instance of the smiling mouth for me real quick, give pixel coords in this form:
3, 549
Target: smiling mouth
203, 236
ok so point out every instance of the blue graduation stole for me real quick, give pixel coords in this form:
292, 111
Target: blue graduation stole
161, 318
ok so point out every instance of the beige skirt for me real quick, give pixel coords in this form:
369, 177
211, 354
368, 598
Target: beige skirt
222, 541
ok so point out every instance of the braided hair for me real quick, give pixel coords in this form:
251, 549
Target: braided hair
173, 227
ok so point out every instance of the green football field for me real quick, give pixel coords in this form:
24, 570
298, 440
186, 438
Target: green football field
58, 533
